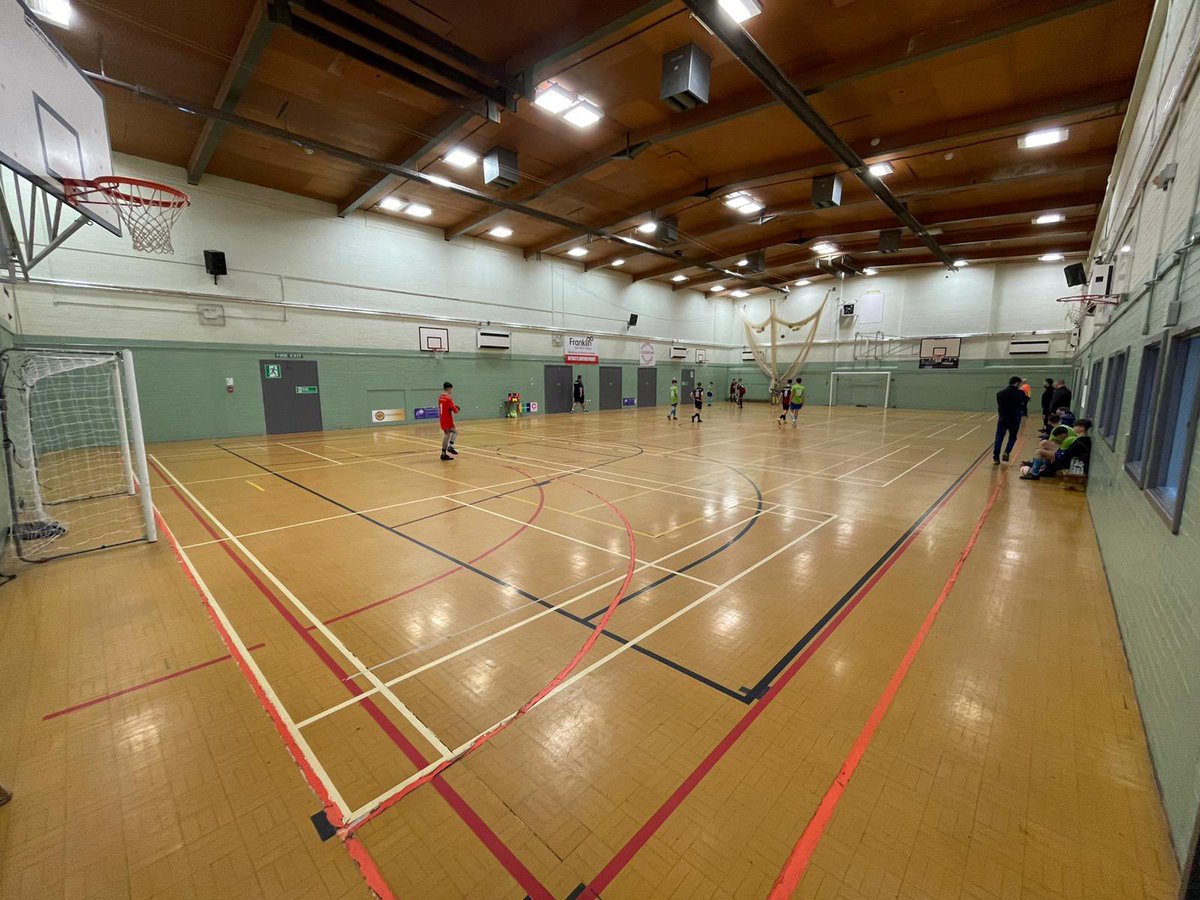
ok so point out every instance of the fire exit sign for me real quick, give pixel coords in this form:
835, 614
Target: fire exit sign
306, 389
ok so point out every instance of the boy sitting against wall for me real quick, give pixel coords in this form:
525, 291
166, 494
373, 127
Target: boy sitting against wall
1076, 445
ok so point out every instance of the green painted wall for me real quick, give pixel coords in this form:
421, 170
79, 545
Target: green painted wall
1153, 573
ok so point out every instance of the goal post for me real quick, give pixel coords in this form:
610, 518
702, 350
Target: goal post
857, 388
74, 451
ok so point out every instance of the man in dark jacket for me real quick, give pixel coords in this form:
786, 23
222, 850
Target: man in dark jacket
1011, 404
1047, 403
1061, 398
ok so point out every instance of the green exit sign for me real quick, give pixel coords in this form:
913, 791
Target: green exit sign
272, 370
306, 389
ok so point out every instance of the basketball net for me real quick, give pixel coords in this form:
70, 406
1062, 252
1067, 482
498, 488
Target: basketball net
767, 356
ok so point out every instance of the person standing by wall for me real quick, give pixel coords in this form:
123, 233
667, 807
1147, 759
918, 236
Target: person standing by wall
1061, 398
1010, 404
741, 393
698, 402
710, 393
446, 410
673, 415
580, 399
1027, 390
1047, 402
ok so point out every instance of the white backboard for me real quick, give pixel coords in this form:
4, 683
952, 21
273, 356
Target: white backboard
53, 117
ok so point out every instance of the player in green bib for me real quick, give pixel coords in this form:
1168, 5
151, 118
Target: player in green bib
796, 401
673, 414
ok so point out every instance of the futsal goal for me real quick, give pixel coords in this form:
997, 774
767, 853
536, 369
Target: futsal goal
75, 456
860, 389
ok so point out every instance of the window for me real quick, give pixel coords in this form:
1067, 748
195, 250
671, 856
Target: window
1114, 392
1091, 398
1175, 429
1143, 410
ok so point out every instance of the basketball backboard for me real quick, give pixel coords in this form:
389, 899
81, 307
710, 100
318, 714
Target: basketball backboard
432, 339
54, 123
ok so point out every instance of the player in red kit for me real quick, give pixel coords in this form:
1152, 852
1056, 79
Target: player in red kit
446, 410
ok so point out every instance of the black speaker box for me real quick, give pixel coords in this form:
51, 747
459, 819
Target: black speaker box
632, 319
889, 241
685, 75
214, 262
1075, 275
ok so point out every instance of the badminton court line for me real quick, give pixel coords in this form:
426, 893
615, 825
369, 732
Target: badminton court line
915, 465
583, 673
320, 626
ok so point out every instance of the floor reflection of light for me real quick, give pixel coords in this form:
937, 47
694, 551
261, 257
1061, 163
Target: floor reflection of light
967, 710
479, 679
728, 620
140, 733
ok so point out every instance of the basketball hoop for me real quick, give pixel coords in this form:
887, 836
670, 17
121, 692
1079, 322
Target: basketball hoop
1087, 305
146, 208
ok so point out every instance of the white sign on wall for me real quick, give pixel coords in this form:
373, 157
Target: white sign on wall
646, 359
582, 349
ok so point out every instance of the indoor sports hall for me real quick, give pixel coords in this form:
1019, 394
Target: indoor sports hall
632, 449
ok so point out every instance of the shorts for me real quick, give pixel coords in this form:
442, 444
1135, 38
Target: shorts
796, 407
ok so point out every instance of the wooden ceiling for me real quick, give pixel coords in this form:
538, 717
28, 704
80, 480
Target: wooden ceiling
941, 89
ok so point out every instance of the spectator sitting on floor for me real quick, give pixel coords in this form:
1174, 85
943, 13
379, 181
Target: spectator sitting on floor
1051, 444
1066, 417
1074, 447
1052, 421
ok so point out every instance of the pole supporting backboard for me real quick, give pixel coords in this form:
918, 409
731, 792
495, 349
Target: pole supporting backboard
22, 243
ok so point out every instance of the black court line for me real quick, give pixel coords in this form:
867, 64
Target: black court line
532, 598
764, 683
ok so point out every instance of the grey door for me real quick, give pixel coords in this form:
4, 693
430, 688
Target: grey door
558, 389
291, 395
648, 386
686, 377
610, 387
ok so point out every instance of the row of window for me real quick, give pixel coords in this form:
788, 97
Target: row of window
1166, 405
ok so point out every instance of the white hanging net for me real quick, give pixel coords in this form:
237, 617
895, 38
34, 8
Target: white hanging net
766, 355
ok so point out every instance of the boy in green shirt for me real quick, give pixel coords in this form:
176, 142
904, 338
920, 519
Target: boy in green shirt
797, 400
673, 414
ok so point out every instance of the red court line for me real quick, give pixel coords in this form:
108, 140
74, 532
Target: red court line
623, 856
392, 799
143, 685
797, 863
489, 838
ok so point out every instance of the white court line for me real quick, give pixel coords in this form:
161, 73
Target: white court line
269, 692
604, 660
498, 634
575, 540
320, 626
317, 455
965, 433
940, 430
872, 462
915, 465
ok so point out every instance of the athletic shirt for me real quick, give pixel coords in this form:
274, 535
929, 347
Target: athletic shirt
674, 393
698, 395
579, 392
446, 411
797, 394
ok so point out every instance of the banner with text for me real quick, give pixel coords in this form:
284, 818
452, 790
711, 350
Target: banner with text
581, 349
646, 357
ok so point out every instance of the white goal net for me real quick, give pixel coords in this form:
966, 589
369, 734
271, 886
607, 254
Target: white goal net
77, 478
871, 389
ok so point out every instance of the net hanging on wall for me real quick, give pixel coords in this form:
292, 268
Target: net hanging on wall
766, 356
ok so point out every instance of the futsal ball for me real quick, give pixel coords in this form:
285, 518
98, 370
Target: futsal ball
1025, 470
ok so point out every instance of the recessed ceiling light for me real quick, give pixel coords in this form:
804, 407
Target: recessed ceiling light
56, 12
501, 231
460, 158
803, 282
419, 210
750, 208
392, 204
1049, 218
881, 169
1043, 138
554, 98
869, 272
439, 180
583, 114
1126, 248
647, 228
961, 264
740, 10
678, 278
742, 262
617, 263
739, 200
824, 248
1051, 257
577, 252
739, 294
717, 288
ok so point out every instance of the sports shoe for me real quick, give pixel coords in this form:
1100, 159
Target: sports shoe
452, 451
995, 462
1004, 456
447, 456
1031, 477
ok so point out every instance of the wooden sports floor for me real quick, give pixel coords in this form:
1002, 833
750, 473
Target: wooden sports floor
661, 660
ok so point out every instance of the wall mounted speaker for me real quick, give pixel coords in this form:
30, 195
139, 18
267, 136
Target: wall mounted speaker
632, 319
889, 241
500, 167
214, 263
685, 75
1075, 275
827, 191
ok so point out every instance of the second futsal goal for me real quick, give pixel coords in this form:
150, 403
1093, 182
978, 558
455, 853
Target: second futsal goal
870, 389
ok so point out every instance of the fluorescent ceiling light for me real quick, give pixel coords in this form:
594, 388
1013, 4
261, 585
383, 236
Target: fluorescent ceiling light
554, 98
717, 288
678, 278
803, 282
1049, 219
742, 262
961, 264
617, 263
460, 158
1043, 138
881, 169
739, 294
824, 248
420, 210
740, 10
647, 228
392, 204
56, 12
738, 199
750, 208
439, 180
869, 272
1126, 248
577, 252
1051, 257
583, 114
501, 231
